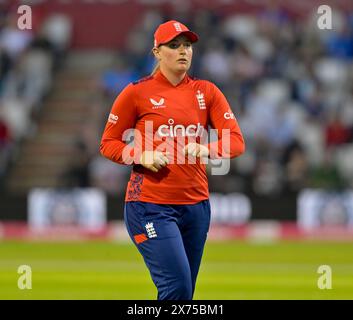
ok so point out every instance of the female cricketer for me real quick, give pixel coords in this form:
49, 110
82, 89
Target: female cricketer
167, 210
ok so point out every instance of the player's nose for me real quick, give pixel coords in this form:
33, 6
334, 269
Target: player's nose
182, 48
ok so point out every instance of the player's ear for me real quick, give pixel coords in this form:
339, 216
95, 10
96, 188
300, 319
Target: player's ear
156, 53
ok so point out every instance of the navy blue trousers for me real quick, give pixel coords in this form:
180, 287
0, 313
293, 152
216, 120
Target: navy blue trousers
171, 239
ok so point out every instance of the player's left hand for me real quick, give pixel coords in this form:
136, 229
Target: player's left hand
196, 150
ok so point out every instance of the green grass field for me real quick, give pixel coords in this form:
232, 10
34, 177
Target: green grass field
230, 270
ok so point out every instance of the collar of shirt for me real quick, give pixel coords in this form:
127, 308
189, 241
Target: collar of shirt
161, 78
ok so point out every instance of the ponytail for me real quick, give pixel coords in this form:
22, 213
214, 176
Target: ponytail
155, 68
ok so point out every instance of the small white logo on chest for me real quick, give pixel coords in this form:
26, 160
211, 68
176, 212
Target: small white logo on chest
157, 105
201, 100
151, 233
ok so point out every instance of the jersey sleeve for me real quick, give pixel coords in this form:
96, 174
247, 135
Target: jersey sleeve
122, 117
230, 141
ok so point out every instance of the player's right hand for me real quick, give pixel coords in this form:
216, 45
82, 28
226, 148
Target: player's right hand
154, 160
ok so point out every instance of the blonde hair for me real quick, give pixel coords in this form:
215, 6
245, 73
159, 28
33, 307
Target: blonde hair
155, 68
156, 64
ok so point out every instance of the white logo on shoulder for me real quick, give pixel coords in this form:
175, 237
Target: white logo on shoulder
151, 232
177, 26
229, 115
157, 105
113, 118
201, 100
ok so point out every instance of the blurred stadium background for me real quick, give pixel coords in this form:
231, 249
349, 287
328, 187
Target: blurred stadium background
285, 207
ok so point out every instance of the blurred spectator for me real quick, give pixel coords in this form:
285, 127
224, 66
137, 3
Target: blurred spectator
336, 132
5, 144
5, 65
4, 134
296, 167
16, 114
77, 173
244, 66
268, 178
13, 40
26, 71
327, 175
118, 77
57, 29
215, 63
344, 164
340, 44
30, 80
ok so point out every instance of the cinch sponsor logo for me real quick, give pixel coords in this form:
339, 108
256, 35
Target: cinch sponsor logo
229, 115
172, 130
113, 118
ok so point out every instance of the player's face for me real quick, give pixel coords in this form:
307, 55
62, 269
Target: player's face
176, 55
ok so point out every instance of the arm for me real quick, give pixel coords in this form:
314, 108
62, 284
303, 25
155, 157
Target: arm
123, 116
230, 142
